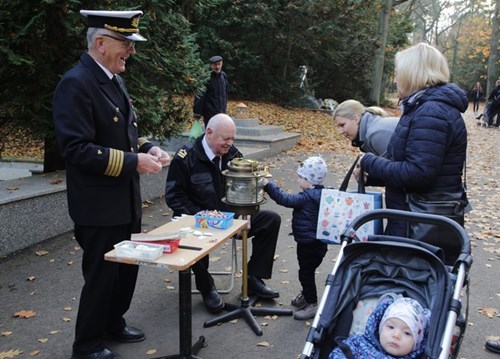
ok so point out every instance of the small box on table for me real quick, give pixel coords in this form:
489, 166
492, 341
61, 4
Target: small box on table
141, 251
213, 219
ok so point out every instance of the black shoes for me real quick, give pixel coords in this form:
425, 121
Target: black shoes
493, 346
213, 302
101, 354
127, 335
256, 286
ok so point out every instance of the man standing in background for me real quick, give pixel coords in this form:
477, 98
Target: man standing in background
214, 99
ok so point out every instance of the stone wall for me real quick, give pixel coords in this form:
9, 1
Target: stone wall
35, 208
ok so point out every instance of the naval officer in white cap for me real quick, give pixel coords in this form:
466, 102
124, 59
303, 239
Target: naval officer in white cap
96, 129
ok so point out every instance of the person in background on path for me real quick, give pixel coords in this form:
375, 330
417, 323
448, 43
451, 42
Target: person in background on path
214, 99
195, 183
368, 128
426, 153
492, 109
476, 93
310, 250
96, 131
395, 329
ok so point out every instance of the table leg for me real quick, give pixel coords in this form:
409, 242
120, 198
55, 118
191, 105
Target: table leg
186, 349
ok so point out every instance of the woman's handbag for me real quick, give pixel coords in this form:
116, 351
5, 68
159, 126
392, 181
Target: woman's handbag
338, 208
449, 204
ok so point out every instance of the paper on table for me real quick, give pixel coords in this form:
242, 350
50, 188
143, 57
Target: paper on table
146, 237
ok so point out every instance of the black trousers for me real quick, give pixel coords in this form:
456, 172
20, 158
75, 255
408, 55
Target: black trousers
310, 255
108, 288
476, 103
264, 226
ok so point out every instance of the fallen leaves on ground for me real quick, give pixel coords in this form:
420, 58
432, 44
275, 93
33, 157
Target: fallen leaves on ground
24, 314
10, 354
317, 129
489, 312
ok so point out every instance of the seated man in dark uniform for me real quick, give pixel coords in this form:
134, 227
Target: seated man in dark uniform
195, 183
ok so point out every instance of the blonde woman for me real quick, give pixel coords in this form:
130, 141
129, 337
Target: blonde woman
368, 128
427, 151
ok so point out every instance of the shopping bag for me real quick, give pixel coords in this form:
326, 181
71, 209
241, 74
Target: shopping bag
338, 208
196, 130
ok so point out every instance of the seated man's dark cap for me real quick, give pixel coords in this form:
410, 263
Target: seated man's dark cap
124, 23
215, 58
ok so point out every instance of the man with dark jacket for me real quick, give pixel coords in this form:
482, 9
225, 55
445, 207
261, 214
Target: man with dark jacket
96, 129
492, 109
195, 183
214, 99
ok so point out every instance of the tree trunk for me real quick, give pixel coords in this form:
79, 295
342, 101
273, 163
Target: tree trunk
492, 61
378, 64
52, 159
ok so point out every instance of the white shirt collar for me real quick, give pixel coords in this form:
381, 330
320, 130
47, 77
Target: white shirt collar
110, 75
208, 151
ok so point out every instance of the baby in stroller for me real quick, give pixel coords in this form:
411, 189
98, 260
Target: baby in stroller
397, 328
366, 271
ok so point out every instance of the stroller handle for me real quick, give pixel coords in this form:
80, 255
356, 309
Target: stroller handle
409, 217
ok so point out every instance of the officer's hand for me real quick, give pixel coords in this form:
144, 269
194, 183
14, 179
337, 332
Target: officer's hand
147, 163
161, 155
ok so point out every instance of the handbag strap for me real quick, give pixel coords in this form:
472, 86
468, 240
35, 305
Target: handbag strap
361, 182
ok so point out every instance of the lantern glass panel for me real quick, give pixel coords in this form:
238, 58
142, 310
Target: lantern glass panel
244, 190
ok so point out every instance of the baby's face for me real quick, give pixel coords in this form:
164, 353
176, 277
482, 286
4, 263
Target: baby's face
396, 337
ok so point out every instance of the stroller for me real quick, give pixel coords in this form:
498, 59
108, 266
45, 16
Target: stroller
366, 270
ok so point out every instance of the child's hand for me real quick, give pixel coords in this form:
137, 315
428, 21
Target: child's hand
265, 181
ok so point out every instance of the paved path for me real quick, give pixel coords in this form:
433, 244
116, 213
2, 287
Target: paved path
46, 278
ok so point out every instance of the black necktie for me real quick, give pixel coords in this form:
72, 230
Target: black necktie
119, 88
216, 160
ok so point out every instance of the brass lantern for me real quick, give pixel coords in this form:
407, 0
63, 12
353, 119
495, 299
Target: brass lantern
244, 182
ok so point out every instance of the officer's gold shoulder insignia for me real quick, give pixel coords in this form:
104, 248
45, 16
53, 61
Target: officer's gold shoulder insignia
182, 153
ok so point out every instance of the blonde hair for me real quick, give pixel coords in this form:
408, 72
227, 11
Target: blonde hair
350, 108
419, 67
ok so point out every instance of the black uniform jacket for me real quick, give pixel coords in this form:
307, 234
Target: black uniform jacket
194, 183
97, 134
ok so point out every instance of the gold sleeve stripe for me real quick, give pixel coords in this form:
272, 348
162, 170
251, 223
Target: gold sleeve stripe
115, 163
141, 141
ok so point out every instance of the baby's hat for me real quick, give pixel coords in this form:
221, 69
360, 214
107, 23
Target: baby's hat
412, 313
313, 169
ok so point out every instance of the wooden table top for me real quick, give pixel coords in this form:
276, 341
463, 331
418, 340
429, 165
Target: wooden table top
182, 259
